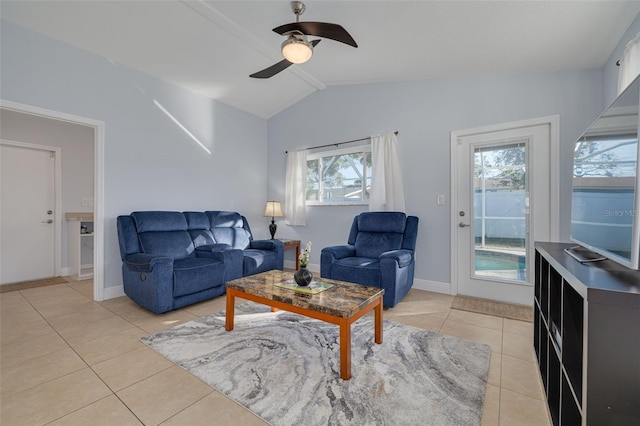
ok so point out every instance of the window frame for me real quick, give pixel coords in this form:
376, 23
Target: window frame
342, 151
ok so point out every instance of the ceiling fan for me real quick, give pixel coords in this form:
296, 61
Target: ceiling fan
297, 49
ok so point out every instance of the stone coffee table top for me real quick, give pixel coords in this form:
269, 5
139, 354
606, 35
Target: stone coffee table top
343, 300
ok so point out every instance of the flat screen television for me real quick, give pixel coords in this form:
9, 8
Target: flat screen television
605, 211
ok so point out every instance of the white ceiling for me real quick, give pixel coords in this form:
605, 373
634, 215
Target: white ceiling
211, 47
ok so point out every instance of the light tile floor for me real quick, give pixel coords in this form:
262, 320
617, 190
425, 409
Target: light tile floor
67, 360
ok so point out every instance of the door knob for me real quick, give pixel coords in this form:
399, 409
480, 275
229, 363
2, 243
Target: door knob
462, 224
47, 221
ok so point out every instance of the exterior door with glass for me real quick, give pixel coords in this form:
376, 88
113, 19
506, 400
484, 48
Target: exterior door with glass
502, 206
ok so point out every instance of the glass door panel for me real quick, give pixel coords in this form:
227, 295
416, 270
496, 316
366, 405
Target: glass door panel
500, 207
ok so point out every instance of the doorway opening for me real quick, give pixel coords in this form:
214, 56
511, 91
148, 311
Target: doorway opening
30, 243
98, 180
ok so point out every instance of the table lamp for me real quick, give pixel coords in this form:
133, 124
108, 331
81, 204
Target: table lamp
274, 210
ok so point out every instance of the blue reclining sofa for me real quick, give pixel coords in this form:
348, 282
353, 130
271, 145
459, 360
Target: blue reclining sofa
174, 259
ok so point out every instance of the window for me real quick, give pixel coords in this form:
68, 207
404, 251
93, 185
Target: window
339, 177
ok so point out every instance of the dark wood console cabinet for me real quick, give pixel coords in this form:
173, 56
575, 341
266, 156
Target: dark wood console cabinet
587, 338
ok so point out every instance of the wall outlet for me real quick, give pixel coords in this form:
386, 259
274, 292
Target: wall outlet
440, 200
87, 202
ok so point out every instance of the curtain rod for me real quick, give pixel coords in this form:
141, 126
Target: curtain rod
340, 143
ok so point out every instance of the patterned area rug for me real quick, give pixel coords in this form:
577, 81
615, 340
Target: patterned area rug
32, 284
492, 307
285, 368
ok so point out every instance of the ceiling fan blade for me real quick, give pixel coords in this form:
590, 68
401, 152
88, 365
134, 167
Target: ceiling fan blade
276, 68
272, 70
320, 29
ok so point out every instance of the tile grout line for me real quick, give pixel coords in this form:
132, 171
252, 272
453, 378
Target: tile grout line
113, 391
447, 317
85, 361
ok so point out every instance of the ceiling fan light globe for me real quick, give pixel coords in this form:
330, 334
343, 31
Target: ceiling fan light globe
296, 51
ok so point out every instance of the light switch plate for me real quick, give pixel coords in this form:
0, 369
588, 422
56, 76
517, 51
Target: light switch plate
87, 202
440, 200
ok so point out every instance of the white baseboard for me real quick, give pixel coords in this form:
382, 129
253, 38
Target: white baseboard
113, 292
64, 272
435, 286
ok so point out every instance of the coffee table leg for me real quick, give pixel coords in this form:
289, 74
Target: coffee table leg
230, 307
378, 322
345, 350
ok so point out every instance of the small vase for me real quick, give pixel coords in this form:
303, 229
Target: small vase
303, 276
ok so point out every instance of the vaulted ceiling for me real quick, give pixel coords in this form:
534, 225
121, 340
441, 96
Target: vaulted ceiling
211, 47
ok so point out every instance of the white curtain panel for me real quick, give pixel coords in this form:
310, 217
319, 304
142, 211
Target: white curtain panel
387, 191
295, 212
630, 64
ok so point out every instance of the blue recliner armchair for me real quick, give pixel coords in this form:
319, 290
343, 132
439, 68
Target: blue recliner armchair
379, 253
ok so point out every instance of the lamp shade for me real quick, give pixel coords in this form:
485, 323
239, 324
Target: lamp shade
296, 50
273, 209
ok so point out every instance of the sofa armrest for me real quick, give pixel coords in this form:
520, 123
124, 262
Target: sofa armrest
143, 262
330, 254
148, 280
266, 244
233, 259
275, 246
402, 257
339, 252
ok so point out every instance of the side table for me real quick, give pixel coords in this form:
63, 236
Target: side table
292, 244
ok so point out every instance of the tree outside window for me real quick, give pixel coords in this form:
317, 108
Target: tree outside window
339, 177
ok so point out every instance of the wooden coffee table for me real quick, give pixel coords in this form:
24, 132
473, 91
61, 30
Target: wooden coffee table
341, 304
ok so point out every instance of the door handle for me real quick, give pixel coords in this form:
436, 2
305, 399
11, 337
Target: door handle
463, 225
47, 221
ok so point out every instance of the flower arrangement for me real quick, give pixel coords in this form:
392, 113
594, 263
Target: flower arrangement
304, 256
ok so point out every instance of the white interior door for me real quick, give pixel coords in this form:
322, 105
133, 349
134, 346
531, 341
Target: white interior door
27, 213
502, 206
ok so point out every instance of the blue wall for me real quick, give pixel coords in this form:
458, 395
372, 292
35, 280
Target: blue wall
150, 161
611, 70
425, 112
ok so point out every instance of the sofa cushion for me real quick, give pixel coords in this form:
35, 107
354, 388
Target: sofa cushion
228, 228
201, 237
127, 236
256, 261
175, 244
237, 238
224, 219
382, 222
198, 224
373, 244
197, 220
194, 274
360, 270
159, 221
